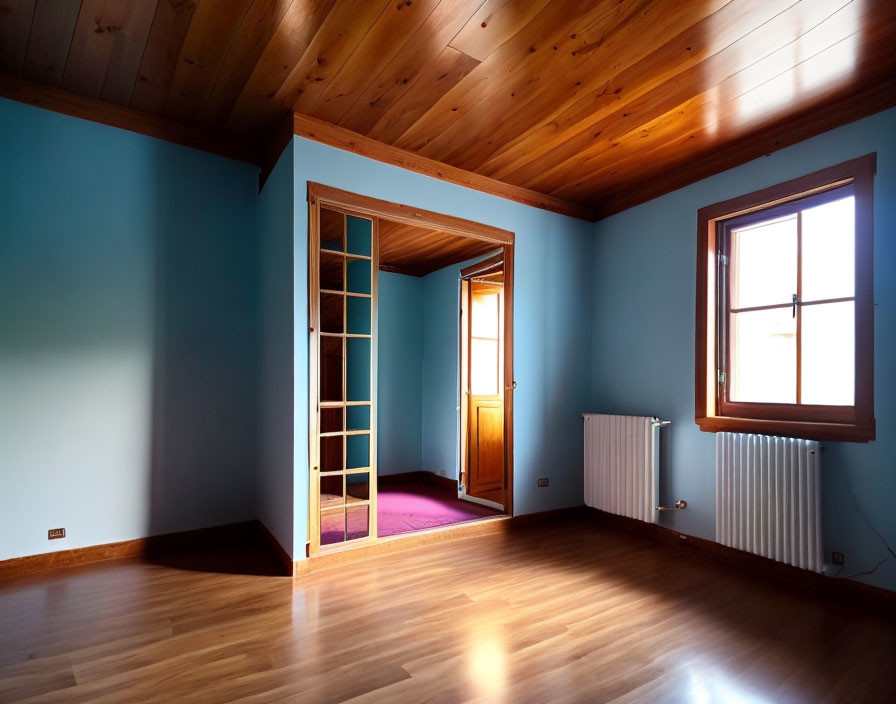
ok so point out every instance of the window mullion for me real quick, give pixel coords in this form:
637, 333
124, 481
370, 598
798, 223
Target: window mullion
799, 307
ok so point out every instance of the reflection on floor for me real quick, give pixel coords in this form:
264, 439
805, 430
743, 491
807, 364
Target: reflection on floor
563, 610
406, 506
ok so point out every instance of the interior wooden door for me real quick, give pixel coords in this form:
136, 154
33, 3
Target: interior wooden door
485, 411
342, 285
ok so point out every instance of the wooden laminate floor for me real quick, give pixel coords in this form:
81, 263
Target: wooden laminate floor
571, 611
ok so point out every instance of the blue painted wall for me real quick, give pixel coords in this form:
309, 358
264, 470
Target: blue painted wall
552, 309
274, 235
399, 373
643, 344
127, 334
441, 366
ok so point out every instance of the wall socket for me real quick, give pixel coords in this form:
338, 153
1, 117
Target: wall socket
55, 533
837, 558
543, 481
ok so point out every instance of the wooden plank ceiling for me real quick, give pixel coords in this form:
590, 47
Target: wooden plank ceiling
601, 103
418, 251
408, 249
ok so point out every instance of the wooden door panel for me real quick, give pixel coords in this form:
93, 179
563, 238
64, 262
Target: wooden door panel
486, 447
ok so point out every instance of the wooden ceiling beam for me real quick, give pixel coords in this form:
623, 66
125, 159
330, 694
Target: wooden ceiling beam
341, 138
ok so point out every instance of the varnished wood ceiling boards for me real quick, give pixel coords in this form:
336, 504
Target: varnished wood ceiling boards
414, 250
579, 106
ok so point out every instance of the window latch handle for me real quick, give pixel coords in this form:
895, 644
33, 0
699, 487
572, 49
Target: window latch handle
795, 304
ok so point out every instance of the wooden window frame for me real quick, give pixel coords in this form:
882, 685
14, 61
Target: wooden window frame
713, 412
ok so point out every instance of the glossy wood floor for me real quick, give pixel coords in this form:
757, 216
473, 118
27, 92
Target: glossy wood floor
565, 612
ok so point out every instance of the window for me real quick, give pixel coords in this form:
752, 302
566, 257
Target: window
785, 310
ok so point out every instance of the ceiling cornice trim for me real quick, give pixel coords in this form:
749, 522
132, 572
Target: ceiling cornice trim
67, 103
341, 138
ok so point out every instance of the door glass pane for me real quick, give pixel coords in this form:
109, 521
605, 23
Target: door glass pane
331, 420
331, 489
483, 367
357, 519
357, 417
332, 526
357, 451
484, 317
331, 453
331, 271
331, 368
358, 369
357, 487
829, 257
332, 230
332, 312
828, 354
358, 232
763, 356
763, 263
359, 275
358, 318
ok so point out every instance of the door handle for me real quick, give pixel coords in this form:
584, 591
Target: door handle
510, 388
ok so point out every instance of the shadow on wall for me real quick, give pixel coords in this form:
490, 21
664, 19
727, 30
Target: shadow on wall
203, 441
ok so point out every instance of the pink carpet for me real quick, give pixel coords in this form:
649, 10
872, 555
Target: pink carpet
406, 507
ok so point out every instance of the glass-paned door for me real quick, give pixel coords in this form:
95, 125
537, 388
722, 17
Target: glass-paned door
343, 375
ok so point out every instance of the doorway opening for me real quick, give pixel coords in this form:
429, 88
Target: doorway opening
482, 388
410, 312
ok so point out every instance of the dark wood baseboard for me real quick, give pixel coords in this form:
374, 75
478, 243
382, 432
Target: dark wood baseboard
844, 589
422, 477
149, 547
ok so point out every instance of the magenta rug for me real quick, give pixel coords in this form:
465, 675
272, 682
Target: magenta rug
402, 508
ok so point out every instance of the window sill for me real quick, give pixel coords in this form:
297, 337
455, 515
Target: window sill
795, 429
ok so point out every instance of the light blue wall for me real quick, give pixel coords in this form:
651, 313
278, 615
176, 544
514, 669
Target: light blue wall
275, 421
399, 373
643, 343
441, 344
127, 334
552, 313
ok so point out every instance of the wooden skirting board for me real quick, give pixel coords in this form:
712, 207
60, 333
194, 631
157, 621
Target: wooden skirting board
846, 589
146, 547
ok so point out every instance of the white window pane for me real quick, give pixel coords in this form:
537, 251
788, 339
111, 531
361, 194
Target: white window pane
829, 250
484, 319
483, 367
763, 263
763, 357
828, 354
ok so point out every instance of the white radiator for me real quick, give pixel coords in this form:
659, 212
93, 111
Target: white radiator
621, 465
768, 497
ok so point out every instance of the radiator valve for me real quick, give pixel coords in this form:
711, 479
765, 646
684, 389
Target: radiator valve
680, 505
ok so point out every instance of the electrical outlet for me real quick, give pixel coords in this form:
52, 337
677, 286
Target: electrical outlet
55, 533
543, 481
837, 558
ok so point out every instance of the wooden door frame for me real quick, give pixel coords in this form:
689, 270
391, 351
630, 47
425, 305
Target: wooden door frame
322, 195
